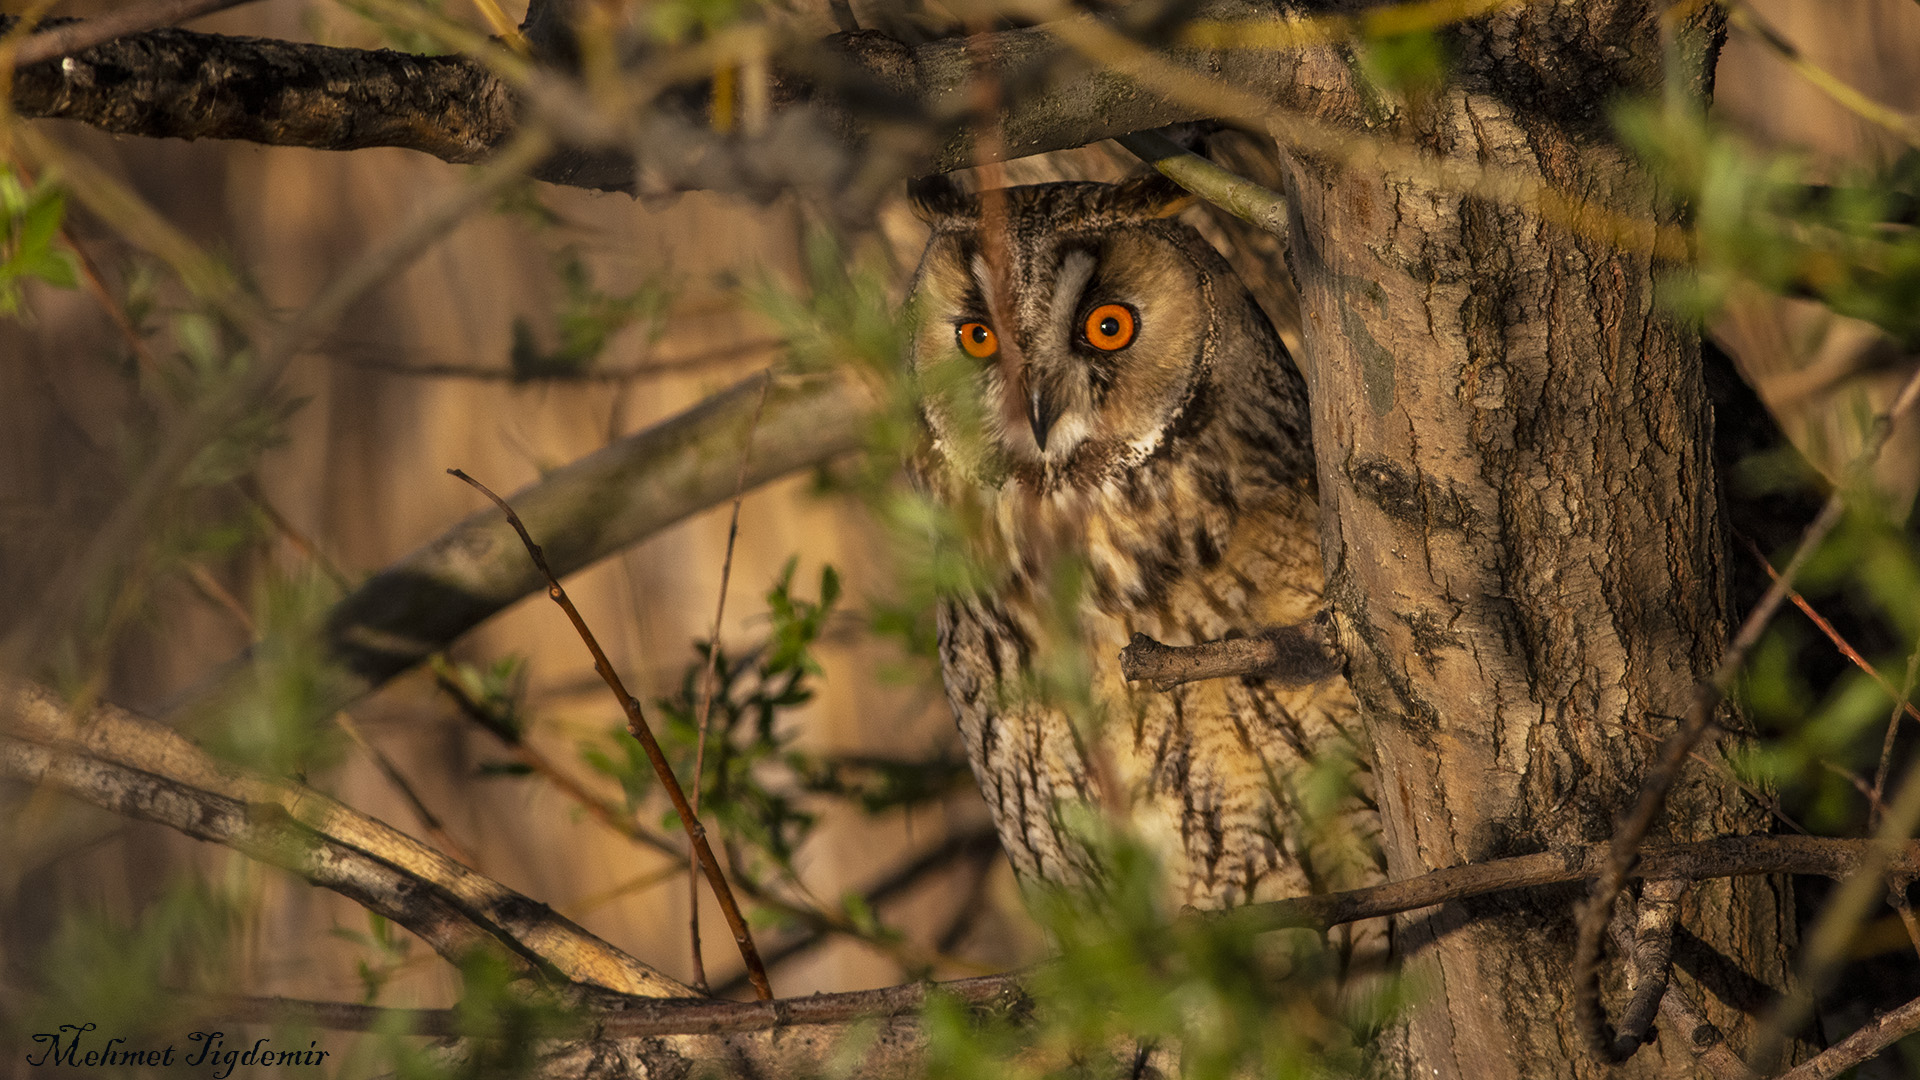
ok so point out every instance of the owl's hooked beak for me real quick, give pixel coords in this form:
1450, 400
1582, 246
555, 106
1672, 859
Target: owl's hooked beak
1043, 408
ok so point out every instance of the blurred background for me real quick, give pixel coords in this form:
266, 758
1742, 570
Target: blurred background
358, 481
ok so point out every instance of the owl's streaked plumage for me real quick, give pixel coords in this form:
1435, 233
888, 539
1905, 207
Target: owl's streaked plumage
1119, 404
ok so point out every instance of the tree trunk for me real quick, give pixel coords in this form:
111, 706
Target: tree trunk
1521, 521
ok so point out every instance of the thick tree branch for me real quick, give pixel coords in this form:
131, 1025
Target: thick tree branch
184, 85
131, 765
1649, 963
176, 84
1682, 1015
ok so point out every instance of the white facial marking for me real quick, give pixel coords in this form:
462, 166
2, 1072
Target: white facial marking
1075, 271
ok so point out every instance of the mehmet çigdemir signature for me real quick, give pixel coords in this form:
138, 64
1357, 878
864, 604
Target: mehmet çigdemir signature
63, 1048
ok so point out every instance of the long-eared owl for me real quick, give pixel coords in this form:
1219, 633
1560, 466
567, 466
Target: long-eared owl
1130, 439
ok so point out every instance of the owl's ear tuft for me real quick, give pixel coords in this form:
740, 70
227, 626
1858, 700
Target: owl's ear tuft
937, 198
1150, 195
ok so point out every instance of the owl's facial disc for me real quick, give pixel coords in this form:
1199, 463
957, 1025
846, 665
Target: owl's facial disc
1076, 359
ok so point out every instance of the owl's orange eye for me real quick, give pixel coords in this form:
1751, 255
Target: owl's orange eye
978, 339
1110, 327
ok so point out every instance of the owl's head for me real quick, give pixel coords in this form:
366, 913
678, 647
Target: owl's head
1064, 331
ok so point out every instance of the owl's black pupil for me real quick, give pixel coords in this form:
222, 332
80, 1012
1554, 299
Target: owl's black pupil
1109, 327
979, 334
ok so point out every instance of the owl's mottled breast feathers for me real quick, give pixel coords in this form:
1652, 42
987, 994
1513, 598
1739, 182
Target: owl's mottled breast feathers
1135, 439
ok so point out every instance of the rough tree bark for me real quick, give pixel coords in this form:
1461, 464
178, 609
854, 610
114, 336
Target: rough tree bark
1521, 520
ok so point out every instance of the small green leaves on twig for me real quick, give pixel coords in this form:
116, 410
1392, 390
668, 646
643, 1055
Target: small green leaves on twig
29, 224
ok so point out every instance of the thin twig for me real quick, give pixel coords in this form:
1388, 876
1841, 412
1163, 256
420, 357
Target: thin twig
1859, 784
703, 359
428, 819
1726, 772
220, 594
981, 846
1742, 16
638, 883
1827, 942
1732, 856
526, 754
713, 660
1302, 32
824, 920
1901, 704
1903, 907
249, 486
637, 724
73, 37
1867, 1042
1707, 695
1893, 729
97, 287
1876, 792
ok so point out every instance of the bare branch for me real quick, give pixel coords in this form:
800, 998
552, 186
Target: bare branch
1732, 856
1683, 1017
660, 1016
979, 846
129, 764
1297, 654
1649, 954
135, 767
706, 681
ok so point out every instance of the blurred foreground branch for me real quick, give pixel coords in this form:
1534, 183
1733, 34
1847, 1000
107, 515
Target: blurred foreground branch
589, 509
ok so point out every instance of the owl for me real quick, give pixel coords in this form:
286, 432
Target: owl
1127, 444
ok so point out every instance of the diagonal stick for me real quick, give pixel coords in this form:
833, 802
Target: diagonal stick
637, 725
